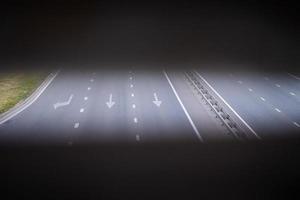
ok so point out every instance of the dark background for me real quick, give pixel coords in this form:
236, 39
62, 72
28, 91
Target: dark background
174, 33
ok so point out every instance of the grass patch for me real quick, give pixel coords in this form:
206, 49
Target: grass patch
15, 86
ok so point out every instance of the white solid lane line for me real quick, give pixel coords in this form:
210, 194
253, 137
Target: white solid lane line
85, 98
292, 93
81, 110
262, 98
183, 108
133, 106
89, 88
132, 95
135, 120
76, 125
250, 90
277, 85
257, 136
296, 124
277, 110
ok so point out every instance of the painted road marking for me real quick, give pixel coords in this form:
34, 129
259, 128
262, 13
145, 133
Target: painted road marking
132, 95
137, 137
277, 110
277, 85
131, 85
294, 76
156, 101
81, 110
110, 103
296, 124
262, 98
92, 80
266, 78
85, 98
135, 120
133, 106
61, 104
240, 82
130, 78
292, 93
89, 88
31, 99
250, 90
245, 123
76, 125
183, 108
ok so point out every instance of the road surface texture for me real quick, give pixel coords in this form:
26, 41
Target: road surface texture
268, 102
115, 105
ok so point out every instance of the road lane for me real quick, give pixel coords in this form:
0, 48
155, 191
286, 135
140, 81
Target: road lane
258, 100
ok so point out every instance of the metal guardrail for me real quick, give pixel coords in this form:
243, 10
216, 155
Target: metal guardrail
215, 106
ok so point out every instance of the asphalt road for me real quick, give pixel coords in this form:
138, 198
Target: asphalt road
268, 102
116, 105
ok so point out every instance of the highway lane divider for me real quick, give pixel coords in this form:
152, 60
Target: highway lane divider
233, 122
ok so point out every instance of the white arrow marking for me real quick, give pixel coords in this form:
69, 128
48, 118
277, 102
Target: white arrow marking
156, 101
110, 103
60, 104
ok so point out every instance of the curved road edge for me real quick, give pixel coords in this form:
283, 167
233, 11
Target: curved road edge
22, 105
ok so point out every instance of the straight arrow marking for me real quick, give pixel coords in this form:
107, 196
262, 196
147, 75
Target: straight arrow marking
60, 104
110, 103
156, 101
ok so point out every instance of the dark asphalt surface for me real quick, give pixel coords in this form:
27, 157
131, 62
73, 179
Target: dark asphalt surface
268, 102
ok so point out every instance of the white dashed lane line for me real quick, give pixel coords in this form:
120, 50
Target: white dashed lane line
85, 98
132, 95
76, 125
89, 88
292, 93
250, 90
131, 85
135, 120
240, 82
296, 124
137, 137
133, 106
130, 78
266, 78
277, 110
263, 99
277, 85
92, 80
81, 110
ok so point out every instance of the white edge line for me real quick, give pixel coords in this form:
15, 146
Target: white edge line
182, 106
229, 106
30, 101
